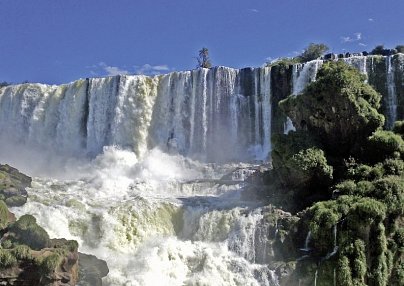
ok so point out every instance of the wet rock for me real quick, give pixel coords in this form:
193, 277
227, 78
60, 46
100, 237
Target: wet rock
12, 186
91, 270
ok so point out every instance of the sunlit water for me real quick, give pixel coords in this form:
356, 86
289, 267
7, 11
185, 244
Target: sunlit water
161, 220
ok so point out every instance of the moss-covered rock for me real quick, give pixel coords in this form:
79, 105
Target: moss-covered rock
339, 108
13, 185
26, 231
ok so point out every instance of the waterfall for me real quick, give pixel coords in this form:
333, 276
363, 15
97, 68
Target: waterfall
391, 94
315, 277
335, 246
306, 247
217, 114
302, 75
359, 62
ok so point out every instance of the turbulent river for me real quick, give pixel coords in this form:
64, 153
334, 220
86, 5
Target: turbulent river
148, 173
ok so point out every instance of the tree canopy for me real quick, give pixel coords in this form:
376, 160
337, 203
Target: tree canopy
203, 58
312, 52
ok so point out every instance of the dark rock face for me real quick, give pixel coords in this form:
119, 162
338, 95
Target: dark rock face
91, 270
281, 87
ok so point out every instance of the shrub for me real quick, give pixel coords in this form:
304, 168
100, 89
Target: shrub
283, 62
6, 259
72, 245
393, 167
399, 127
21, 252
6, 244
3, 214
367, 210
50, 263
384, 144
360, 172
390, 190
312, 163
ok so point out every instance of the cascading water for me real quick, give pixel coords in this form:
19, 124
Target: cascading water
391, 94
191, 112
302, 75
119, 173
359, 62
133, 168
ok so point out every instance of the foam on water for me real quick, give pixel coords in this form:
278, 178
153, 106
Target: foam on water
137, 215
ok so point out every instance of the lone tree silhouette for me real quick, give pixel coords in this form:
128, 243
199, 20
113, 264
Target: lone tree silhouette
203, 59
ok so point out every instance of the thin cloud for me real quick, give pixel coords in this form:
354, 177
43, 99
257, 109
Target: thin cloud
148, 69
371, 20
349, 39
161, 68
253, 10
103, 69
111, 70
362, 44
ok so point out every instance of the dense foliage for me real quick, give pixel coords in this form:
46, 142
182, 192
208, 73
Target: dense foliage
312, 52
336, 106
353, 171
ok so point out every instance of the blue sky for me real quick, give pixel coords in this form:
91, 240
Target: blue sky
57, 41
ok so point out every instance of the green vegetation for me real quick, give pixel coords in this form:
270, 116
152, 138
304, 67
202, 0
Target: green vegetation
283, 62
384, 144
27, 231
353, 172
21, 252
50, 263
399, 49
312, 52
336, 106
6, 259
381, 50
203, 59
3, 215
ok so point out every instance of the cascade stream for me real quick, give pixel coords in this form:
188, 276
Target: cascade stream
148, 173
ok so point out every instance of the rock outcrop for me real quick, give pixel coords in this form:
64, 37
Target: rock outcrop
27, 255
12, 186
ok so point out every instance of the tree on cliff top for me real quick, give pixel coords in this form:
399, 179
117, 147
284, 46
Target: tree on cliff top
312, 52
203, 59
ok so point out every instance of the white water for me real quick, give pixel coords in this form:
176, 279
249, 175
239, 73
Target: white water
153, 223
120, 165
391, 94
216, 115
